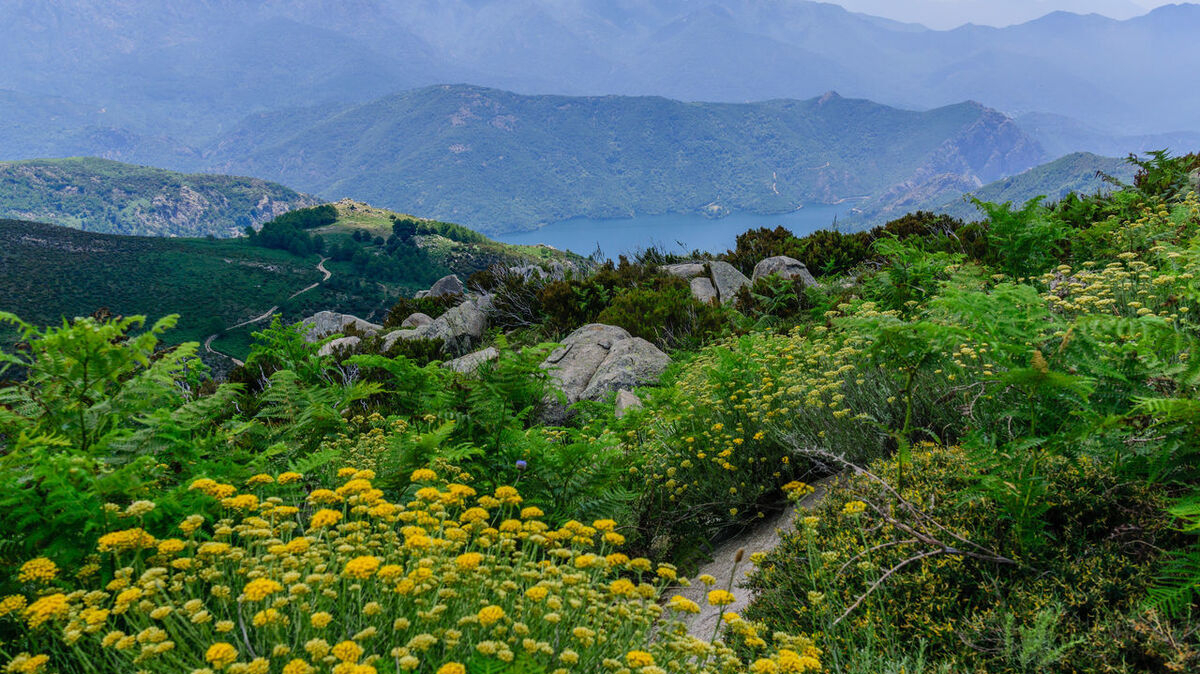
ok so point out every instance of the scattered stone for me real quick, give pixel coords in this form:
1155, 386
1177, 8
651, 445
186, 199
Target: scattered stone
471, 362
447, 285
727, 279
787, 267
416, 320
703, 290
684, 270
626, 401
420, 294
324, 323
338, 345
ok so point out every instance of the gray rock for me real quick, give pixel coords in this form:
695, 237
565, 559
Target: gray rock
727, 279
787, 267
1194, 180
447, 285
703, 290
416, 320
324, 323
626, 401
471, 362
684, 270
338, 345
631, 362
573, 364
459, 328
390, 339
420, 294
486, 303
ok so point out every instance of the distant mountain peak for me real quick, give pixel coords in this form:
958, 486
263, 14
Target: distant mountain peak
829, 96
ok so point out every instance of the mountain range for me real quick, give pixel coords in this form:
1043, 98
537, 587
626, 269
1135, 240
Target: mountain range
179, 70
498, 161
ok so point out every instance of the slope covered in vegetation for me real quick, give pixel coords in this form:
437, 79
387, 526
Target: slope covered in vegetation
99, 195
499, 161
54, 272
1009, 408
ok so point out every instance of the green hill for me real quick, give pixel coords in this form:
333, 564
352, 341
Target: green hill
53, 272
499, 161
1080, 172
108, 196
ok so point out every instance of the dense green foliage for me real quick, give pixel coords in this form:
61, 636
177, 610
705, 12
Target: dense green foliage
1006, 412
98, 195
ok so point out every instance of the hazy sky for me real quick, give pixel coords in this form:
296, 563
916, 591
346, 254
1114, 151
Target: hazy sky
944, 14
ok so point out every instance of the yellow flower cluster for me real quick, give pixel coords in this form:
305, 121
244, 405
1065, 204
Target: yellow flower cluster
39, 570
351, 583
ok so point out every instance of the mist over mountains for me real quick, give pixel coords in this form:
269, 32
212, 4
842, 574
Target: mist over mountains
191, 70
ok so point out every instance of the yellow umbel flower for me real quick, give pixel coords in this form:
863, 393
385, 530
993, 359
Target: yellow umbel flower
38, 570
362, 567
489, 615
220, 654
260, 588
720, 598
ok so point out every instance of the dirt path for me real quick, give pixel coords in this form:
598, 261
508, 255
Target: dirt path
269, 313
321, 268
762, 538
208, 347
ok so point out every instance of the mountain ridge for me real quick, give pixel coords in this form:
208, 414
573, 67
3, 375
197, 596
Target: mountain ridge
500, 161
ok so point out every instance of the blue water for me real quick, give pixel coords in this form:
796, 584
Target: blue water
673, 233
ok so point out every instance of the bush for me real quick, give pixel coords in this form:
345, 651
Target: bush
971, 609
665, 313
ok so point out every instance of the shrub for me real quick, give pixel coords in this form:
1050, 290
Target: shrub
962, 601
664, 313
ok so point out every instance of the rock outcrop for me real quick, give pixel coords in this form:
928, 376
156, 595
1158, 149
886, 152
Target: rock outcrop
727, 279
703, 290
416, 320
787, 267
685, 270
626, 401
599, 359
459, 329
471, 362
447, 285
324, 323
338, 345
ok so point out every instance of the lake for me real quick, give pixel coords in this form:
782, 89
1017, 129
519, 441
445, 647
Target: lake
673, 233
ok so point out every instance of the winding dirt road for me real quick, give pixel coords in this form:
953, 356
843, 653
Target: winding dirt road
269, 313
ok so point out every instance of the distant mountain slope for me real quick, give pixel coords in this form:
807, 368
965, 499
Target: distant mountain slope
1062, 135
107, 196
190, 70
1079, 172
499, 161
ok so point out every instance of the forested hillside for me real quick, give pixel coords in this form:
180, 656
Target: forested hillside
106, 196
53, 273
499, 161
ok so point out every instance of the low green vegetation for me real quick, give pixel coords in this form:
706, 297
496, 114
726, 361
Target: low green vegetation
99, 195
1000, 418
